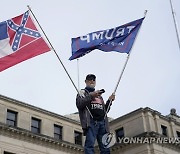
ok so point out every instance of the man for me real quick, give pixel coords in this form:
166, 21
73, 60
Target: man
92, 113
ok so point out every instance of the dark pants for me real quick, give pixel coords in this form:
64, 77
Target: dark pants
95, 131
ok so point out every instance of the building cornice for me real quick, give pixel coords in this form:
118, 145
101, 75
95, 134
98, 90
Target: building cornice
46, 141
144, 110
22, 104
167, 118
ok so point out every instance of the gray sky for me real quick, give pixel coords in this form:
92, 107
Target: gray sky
151, 78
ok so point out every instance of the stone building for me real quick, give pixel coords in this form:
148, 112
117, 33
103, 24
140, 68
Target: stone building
145, 123
26, 129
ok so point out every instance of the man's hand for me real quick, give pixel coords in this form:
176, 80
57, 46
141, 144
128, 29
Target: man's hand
112, 97
95, 93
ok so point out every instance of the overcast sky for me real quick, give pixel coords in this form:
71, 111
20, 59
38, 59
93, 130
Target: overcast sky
151, 78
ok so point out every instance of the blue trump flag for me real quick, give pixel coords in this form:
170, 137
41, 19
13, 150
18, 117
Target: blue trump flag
119, 39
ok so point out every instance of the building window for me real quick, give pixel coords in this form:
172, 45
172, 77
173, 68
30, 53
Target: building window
58, 132
35, 125
119, 133
178, 133
164, 130
11, 118
78, 137
5, 152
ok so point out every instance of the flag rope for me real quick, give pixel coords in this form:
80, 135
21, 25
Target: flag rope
175, 23
53, 49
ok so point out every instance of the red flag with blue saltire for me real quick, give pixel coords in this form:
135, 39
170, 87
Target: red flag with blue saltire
20, 40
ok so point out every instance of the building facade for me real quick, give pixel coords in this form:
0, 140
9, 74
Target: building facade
146, 131
26, 129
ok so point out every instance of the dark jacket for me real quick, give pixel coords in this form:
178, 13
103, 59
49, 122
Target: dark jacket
83, 99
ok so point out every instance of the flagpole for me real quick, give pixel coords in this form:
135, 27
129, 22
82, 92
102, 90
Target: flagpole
175, 23
78, 73
53, 49
145, 12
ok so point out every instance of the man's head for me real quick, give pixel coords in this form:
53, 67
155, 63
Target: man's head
90, 80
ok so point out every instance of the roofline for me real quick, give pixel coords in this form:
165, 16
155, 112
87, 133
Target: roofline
20, 103
146, 109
